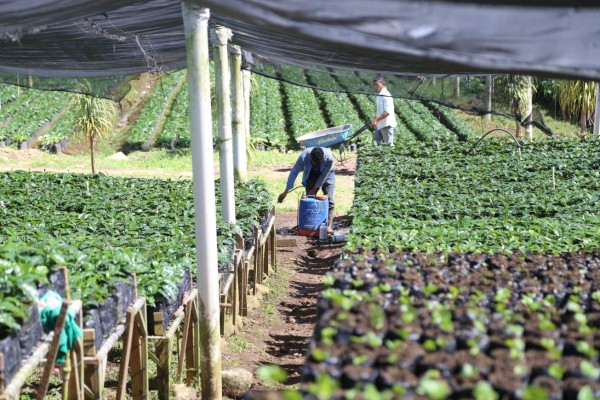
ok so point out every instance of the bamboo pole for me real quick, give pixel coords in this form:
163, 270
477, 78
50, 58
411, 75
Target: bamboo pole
195, 20
13, 388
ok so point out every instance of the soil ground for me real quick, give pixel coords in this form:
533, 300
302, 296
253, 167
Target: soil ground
279, 329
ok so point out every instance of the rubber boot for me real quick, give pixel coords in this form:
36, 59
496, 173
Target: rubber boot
330, 220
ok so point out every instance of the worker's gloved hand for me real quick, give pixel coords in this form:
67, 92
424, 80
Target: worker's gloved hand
313, 191
282, 196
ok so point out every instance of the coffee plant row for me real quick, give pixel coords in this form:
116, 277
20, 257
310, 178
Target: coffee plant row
455, 198
279, 112
24, 116
104, 228
267, 121
148, 123
397, 325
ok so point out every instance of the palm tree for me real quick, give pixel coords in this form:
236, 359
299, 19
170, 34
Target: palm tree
516, 92
577, 99
95, 117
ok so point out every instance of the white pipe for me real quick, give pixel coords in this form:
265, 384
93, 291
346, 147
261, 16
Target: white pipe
457, 86
195, 21
247, 83
529, 110
240, 164
488, 96
597, 111
220, 36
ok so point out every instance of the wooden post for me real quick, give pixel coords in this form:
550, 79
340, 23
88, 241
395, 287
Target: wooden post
274, 244
93, 375
256, 259
163, 361
139, 359
192, 351
266, 254
243, 288
135, 353
74, 384
188, 341
51, 357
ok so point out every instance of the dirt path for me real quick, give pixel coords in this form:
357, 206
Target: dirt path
279, 329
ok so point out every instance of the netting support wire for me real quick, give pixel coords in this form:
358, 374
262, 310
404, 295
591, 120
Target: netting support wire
195, 22
219, 37
505, 131
597, 111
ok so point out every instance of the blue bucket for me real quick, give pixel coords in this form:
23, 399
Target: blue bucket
312, 212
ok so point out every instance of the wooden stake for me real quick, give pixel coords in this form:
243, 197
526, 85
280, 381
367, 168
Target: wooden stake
51, 358
132, 354
274, 244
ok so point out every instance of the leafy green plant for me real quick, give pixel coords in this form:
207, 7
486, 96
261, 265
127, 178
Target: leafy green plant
272, 374
484, 391
433, 387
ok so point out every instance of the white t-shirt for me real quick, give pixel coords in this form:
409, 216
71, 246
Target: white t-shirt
385, 103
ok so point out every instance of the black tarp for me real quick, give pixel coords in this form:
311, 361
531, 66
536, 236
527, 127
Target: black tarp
79, 38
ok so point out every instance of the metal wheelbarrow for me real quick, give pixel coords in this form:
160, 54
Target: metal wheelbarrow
330, 137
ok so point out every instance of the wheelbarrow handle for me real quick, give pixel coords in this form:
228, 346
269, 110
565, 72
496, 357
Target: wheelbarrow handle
359, 131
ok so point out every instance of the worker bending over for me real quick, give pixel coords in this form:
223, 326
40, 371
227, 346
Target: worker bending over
316, 164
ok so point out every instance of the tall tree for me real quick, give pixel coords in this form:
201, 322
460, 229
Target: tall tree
515, 91
95, 117
577, 101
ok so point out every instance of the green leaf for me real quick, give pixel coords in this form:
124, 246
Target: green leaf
272, 374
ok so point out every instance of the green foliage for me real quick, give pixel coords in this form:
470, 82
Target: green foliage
576, 100
116, 226
267, 121
433, 387
484, 391
338, 106
144, 126
272, 374
22, 269
447, 199
39, 110
301, 103
513, 90
535, 393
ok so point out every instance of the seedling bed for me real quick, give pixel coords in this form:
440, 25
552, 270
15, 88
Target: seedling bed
459, 326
